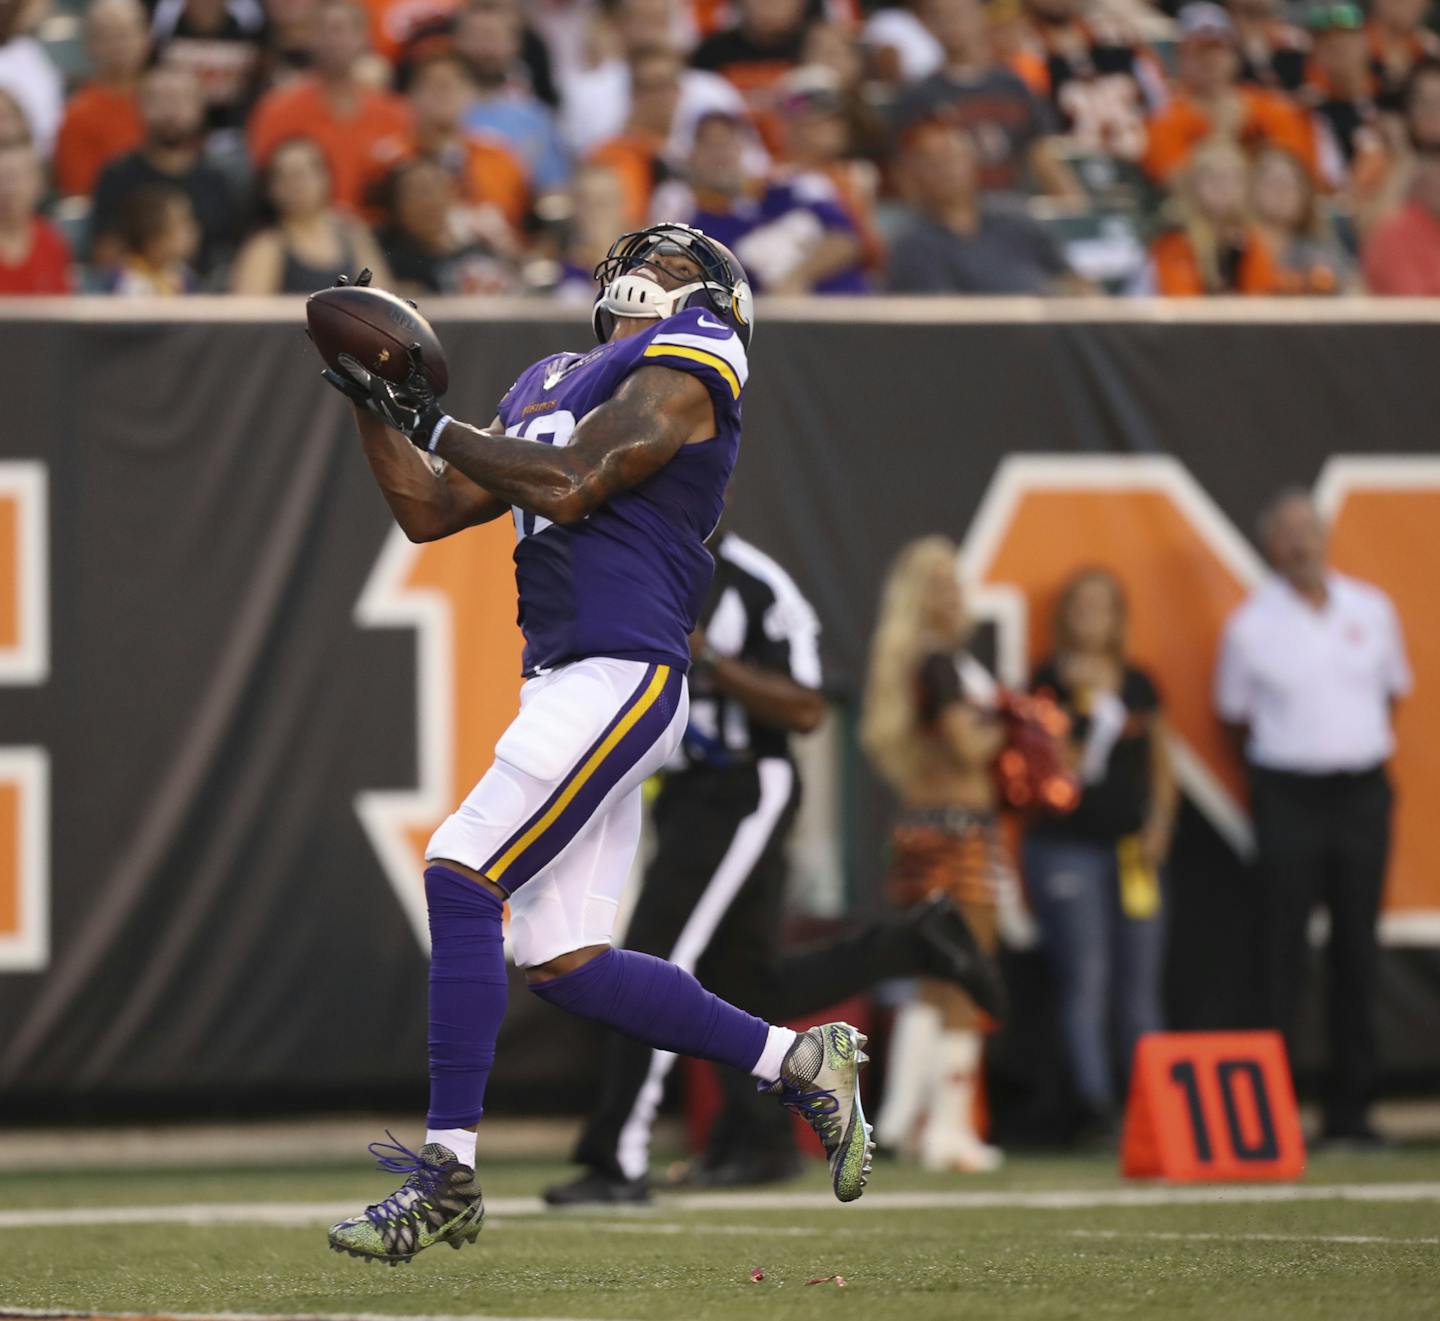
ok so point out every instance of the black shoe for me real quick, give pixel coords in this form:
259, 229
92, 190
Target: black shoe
950, 951
595, 1188
1358, 1137
1097, 1128
741, 1172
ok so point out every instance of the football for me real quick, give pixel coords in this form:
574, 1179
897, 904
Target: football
375, 328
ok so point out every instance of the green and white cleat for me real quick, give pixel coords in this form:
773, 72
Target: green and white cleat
820, 1081
439, 1202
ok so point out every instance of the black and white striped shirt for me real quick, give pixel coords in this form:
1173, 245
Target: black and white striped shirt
754, 613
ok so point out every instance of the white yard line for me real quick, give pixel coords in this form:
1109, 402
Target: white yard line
1069, 1199
1075, 1199
639, 1225
1174, 1236
40, 1313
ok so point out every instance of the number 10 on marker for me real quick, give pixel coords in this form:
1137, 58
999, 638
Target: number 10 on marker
1212, 1106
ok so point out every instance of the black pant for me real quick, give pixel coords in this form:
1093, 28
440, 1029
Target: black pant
713, 897
1325, 839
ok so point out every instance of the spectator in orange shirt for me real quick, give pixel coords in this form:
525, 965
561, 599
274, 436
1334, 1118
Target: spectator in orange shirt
1214, 246
102, 119
1209, 102
33, 256
307, 242
489, 176
637, 156
362, 132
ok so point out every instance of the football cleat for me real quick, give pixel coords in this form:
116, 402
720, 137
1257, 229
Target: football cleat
820, 1081
439, 1202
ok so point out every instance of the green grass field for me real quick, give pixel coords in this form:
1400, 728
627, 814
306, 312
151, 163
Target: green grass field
917, 1248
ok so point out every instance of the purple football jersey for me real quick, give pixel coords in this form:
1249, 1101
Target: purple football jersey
629, 580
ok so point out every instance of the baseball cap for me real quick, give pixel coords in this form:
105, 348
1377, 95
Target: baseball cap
1205, 21
1341, 17
811, 87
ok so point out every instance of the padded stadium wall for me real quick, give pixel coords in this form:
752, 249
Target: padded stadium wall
233, 700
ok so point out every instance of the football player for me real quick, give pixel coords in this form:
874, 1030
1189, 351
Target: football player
613, 464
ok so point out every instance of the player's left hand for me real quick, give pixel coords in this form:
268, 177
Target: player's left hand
409, 408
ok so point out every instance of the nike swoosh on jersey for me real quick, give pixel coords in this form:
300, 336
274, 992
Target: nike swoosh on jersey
710, 325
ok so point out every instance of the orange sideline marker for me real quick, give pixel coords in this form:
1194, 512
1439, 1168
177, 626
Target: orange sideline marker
1208, 1106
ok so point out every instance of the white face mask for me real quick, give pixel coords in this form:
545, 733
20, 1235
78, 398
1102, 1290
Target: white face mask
640, 296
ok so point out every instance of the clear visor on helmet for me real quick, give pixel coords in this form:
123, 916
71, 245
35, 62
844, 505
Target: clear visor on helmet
658, 247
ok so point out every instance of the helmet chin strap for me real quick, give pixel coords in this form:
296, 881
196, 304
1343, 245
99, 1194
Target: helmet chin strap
640, 296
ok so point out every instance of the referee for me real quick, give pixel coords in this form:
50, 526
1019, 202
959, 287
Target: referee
1310, 667
712, 898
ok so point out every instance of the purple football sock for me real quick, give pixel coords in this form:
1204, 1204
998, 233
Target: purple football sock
468, 992
659, 1004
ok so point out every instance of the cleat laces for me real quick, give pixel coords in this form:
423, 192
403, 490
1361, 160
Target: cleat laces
817, 1108
423, 1181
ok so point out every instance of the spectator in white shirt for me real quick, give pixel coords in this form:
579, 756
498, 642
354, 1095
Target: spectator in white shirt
1310, 667
596, 101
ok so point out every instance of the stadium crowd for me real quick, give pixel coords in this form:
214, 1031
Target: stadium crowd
935, 146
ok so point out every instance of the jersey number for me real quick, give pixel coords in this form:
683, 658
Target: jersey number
549, 429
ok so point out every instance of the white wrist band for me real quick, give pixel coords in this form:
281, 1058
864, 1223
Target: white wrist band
445, 420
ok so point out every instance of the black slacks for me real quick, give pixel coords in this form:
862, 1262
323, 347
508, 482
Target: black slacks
711, 901
1325, 839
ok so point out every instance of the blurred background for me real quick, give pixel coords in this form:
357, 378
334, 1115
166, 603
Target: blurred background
234, 701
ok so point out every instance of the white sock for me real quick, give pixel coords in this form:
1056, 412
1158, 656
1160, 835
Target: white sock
909, 1072
459, 1140
777, 1044
950, 1134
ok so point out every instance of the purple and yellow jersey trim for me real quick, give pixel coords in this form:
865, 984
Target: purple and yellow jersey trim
722, 354
642, 719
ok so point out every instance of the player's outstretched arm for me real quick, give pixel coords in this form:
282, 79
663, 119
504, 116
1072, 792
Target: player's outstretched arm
427, 505
628, 438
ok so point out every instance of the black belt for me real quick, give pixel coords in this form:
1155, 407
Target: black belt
1320, 779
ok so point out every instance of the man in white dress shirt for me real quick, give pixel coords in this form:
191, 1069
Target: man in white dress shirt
1310, 668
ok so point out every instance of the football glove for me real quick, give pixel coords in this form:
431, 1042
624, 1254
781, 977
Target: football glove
409, 408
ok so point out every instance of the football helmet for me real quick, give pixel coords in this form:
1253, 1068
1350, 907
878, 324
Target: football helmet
723, 287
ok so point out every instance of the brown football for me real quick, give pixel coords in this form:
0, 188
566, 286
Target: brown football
375, 328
